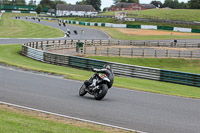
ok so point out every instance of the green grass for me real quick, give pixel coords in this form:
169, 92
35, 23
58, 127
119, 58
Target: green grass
171, 14
12, 122
184, 65
116, 34
15, 28
10, 54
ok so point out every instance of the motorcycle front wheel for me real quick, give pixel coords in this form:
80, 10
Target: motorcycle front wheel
101, 92
82, 91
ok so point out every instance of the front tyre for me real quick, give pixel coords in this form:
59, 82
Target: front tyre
101, 92
82, 91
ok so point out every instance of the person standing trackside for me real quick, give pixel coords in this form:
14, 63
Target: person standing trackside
175, 42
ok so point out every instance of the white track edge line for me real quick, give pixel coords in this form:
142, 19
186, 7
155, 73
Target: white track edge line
70, 117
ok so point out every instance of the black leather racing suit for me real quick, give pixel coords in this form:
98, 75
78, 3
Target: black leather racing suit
108, 73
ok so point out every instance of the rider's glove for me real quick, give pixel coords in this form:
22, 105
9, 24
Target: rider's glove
93, 69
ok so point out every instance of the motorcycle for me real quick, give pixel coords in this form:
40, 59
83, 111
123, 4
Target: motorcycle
99, 90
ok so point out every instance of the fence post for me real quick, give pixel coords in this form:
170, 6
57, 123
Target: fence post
191, 54
143, 52
36, 45
85, 50
179, 54
96, 50
120, 52
107, 51
155, 53
100, 42
167, 53
131, 52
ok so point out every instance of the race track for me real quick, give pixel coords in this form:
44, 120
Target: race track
143, 111
147, 112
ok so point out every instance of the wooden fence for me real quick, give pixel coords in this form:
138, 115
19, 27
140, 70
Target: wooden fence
36, 50
141, 52
60, 43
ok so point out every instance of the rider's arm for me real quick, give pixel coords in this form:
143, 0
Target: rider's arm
98, 70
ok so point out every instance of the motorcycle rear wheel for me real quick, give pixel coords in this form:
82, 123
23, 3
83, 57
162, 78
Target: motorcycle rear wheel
101, 92
82, 91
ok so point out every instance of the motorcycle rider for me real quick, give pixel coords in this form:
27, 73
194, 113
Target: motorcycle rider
108, 73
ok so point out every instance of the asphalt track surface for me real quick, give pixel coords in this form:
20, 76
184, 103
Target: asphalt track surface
143, 111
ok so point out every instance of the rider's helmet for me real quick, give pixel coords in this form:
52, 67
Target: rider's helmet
106, 66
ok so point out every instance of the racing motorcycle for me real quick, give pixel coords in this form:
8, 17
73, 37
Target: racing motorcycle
99, 90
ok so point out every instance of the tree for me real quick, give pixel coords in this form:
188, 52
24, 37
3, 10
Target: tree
32, 2
116, 1
51, 4
157, 3
95, 3
39, 9
46, 3
194, 4
183, 5
126, 1
83, 2
133, 1
17, 2
169, 3
57, 2
105, 9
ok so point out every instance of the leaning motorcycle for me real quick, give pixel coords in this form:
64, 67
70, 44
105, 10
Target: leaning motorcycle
99, 91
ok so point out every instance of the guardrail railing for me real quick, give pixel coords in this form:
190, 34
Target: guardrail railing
37, 51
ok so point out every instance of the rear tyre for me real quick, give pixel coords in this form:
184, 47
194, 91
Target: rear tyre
101, 92
82, 91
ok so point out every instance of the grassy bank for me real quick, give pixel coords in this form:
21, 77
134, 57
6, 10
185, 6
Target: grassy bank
184, 65
15, 120
10, 54
171, 14
15, 28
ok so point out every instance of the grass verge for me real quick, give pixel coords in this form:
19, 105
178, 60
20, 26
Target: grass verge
184, 65
15, 28
171, 14
10, 54
16, 120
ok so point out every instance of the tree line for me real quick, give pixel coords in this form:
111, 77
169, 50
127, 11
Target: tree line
51, 4
174, 4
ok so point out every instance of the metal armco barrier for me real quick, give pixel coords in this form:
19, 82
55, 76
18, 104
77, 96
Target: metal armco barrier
125, 70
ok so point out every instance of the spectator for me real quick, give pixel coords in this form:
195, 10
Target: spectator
38, 19
26, 17
175, 42
59, 23
75, 32
64, 24
82, 31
